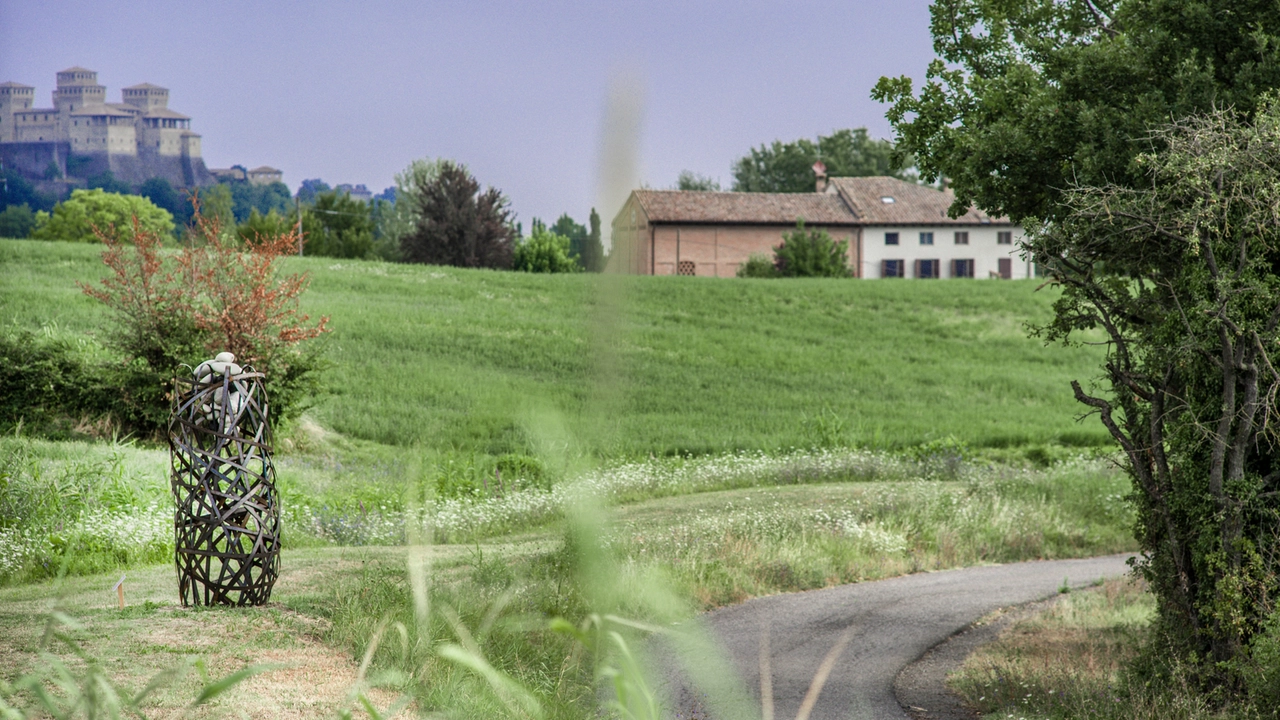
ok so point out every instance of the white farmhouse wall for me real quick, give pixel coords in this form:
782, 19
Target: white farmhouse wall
983, 248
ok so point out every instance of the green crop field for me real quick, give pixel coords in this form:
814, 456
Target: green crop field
463, 359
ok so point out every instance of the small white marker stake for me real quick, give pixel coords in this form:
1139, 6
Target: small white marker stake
119, 588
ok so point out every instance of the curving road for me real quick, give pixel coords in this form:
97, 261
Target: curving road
890, 623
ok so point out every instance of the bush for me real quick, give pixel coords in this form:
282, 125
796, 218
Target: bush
810, 253
50, 384
95, 215
545, 252
17, 221
757, 266
181, 309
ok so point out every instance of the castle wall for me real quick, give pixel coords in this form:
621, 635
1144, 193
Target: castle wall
36, 126
160, 141
32, 158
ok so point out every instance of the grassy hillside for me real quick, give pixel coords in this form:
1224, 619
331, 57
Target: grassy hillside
461, 359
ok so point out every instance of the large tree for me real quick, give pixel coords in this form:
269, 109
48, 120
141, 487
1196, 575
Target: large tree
788, 167
1180, 275
1027, 98
457, 223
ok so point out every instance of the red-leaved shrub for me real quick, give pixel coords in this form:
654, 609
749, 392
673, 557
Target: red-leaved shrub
179, 307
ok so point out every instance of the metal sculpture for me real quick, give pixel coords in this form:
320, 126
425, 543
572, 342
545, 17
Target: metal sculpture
227, 521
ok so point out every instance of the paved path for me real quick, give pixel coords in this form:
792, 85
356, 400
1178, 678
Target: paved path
892, 623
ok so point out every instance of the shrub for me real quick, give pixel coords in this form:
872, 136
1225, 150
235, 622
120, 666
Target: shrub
810, 253
48, 384
545, 252
210, 297
757, 266
95, 215
17, 221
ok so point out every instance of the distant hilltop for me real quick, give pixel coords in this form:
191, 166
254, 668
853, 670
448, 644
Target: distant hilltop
83, 135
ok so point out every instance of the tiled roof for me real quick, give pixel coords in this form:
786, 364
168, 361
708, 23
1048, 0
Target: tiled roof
164, 113
145, 86
102, 110
12, 84
744, 208
265, 169
890, 201
75, 68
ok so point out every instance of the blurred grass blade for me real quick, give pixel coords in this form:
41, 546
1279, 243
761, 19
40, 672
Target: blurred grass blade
370, 708
766, 675
169, 675
820, 677
217, 687
519, 701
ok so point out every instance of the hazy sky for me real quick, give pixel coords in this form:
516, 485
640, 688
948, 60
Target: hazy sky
353, 91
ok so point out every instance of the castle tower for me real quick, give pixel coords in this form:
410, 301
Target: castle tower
146, 96
77, 87
13, 97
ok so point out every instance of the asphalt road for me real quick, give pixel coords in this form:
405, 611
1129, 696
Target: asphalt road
891, 623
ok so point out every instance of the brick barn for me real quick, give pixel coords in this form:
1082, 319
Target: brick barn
893, 228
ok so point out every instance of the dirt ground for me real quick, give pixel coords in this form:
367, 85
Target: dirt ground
155, 632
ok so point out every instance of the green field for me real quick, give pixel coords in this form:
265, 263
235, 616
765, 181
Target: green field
735, 438
463, 359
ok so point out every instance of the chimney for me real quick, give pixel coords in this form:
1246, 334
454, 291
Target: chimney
820, 172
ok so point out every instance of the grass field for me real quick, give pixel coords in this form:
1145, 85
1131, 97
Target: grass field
736, 438
655, 557
461, 360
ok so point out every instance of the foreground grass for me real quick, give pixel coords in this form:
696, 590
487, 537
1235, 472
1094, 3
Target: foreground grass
702, 550
1074, 661
153, 633
462, 361
697, 532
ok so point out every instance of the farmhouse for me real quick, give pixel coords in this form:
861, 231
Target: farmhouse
892, 228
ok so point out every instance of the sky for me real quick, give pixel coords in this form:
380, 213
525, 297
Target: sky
352, 92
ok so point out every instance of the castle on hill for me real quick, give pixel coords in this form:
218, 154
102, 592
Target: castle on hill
83, 135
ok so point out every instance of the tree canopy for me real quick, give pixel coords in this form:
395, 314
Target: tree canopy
788, 167
1028, 98
310, 188
458, 224
1180, 276
81, 217
247, 197
338, 226
690, 180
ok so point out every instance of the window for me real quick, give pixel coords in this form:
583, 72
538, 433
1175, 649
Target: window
961, 268
927, 269
1004, 237
886, 200
891, 238
962, 237
686, 267
892, 268
926, 238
